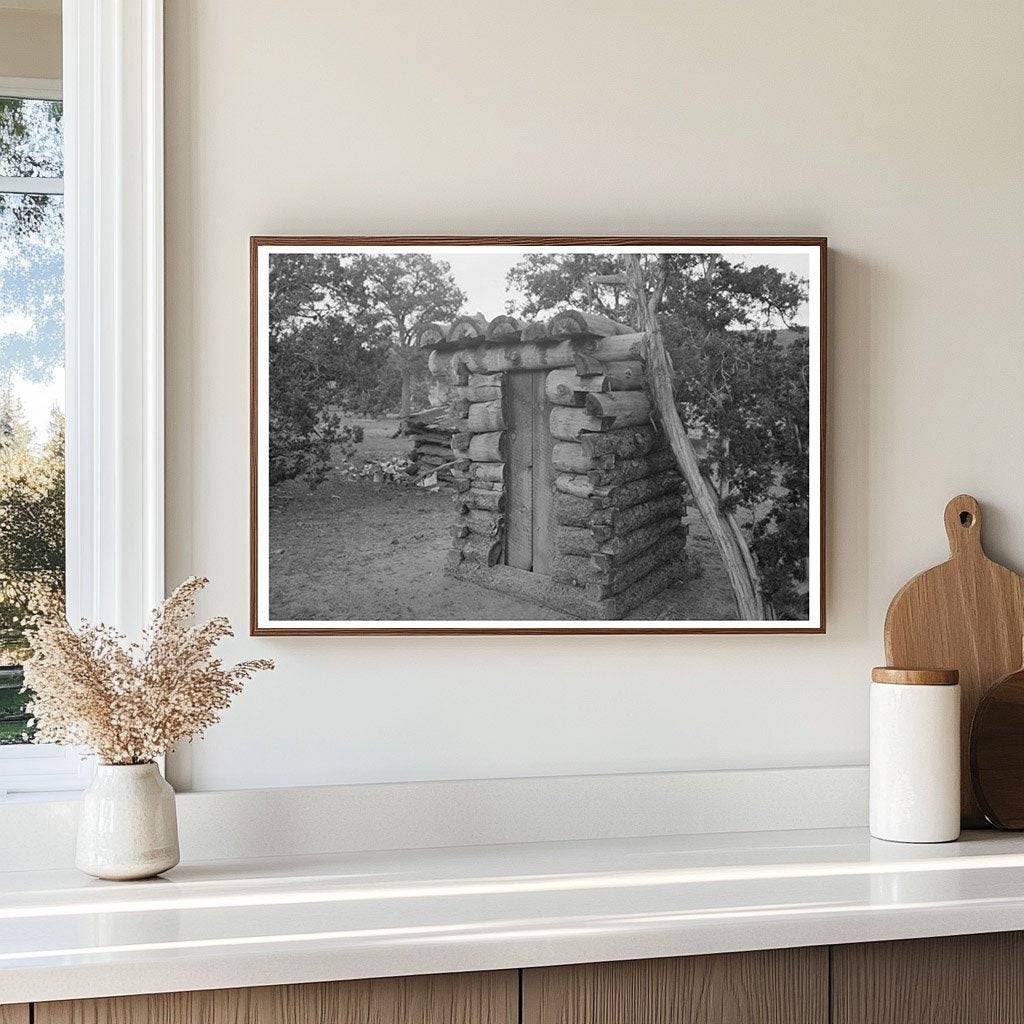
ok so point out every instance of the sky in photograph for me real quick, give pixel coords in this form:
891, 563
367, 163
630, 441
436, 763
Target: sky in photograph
482, 276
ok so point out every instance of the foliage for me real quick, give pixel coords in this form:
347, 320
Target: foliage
304, 429
779, 536
341, 341
542, 283
31, 348
750, 399
31, 526
14, 727
129, 703
305, 318
741, 381
400, 291
31, 138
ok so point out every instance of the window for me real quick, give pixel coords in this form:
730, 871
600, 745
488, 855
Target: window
109, 207
32, 515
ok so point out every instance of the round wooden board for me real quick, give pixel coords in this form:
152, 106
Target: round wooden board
997, 753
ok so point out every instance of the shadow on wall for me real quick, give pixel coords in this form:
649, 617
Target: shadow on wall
853, 288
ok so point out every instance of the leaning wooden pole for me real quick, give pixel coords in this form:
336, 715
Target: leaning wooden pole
736, 556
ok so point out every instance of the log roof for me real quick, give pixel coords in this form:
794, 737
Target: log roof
472, 330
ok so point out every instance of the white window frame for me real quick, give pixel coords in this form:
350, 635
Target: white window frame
114, 324
32, 88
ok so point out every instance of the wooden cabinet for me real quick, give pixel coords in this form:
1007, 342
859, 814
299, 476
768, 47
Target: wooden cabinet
963, 979
778, 986
490, 998
971, 979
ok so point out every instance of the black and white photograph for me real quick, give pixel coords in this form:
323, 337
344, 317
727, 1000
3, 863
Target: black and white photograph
577, 435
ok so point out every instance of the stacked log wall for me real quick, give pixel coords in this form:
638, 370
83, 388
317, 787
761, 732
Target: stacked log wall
619, 498
479, 442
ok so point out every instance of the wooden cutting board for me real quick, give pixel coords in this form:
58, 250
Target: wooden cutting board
967, 614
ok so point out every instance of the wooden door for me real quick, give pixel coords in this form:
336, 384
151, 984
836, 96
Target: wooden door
481, 998
529, 533
961, 979
772, 986
14, 1013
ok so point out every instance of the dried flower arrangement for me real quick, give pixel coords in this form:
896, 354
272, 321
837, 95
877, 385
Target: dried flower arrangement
129, 703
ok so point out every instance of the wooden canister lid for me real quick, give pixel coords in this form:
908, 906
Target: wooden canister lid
916, 676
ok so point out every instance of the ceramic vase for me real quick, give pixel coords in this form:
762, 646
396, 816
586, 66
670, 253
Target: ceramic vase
127, 825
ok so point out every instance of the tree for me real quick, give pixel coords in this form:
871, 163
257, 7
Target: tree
402, 290
32, 552
31, 347
544, 282
310, 298
747, 390
341, 336
31, 137
736, 556
714, 364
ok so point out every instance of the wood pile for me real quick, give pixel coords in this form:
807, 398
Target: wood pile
431, 432
619, 498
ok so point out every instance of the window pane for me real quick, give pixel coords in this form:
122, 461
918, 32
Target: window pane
31, 142
31, 432
14, 723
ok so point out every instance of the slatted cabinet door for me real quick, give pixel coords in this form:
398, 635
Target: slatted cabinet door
961, 979
777, 986
14, 1013
480, 998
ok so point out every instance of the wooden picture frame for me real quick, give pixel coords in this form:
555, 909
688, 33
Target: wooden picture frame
501, 351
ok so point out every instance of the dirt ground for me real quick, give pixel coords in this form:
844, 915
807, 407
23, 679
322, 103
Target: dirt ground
356, 550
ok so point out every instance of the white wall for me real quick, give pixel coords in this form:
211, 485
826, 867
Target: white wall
895, 129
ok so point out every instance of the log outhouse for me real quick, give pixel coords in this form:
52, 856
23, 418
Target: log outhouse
567, 494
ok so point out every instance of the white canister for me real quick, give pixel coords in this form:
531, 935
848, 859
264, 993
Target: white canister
915, 755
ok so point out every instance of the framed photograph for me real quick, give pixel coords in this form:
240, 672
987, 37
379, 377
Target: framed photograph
537, 435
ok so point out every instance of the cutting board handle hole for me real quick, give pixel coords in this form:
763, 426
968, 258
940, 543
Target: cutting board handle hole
962, 517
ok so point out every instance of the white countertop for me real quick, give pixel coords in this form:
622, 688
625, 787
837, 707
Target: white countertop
262, 922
